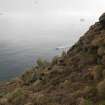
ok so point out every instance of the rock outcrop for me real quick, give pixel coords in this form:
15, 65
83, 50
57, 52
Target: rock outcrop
102, 19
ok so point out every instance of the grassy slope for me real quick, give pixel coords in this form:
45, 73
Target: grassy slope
75, 78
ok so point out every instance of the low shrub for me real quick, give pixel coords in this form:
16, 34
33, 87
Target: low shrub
41, 63
16, 97
41, 99
101, 88
90, 92
54, 60
2, 94
29, 77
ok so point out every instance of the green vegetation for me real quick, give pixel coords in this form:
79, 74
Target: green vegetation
42, 63
29, 77
16, 96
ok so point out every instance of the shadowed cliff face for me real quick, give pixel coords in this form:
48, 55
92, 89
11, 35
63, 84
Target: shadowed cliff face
75, 78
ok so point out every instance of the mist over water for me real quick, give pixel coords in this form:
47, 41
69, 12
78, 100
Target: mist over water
24, 38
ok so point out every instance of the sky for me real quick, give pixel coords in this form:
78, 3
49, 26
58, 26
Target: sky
95, 7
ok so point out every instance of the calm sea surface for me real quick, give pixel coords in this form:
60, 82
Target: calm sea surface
24, 39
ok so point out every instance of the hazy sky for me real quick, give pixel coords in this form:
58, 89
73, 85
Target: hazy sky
48, 6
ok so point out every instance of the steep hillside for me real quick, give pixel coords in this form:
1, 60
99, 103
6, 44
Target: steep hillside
75, 78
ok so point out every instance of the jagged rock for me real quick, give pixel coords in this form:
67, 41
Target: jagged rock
97, 72
98, 41
101, 51
103, 60
102, 19
87, 58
